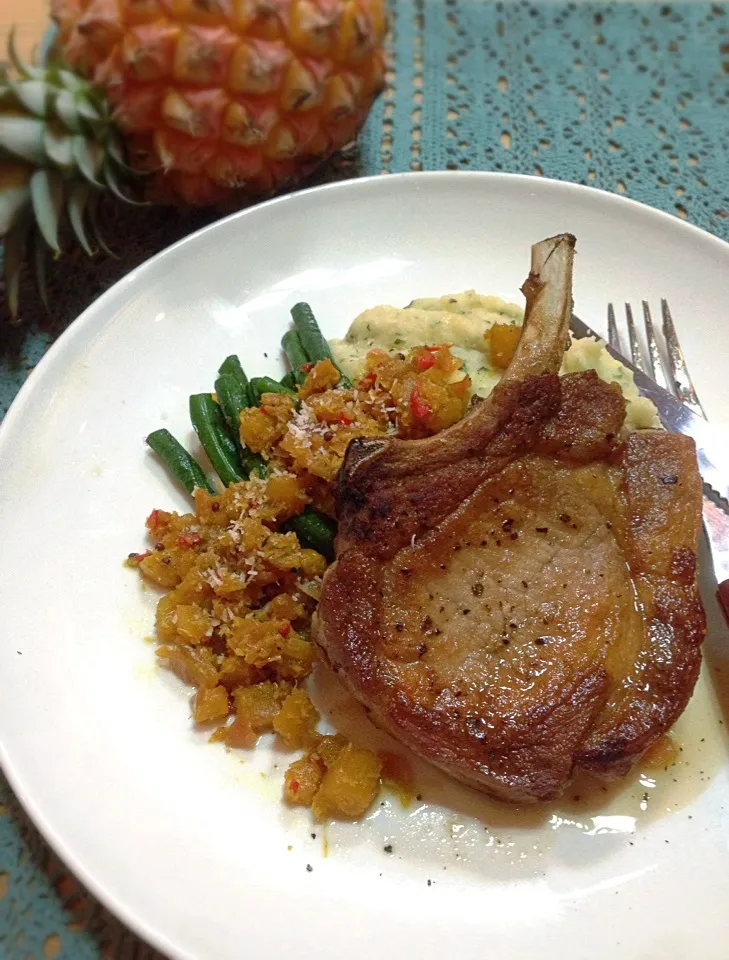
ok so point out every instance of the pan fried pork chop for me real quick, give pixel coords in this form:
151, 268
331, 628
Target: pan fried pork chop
516, 597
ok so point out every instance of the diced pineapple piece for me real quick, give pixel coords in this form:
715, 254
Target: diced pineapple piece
302, 780
296, 721
192, 665
211, 703
502, 339
349, 785
258, 642
328, 747
298, 657
287, 495
261, 428
239, 735
258, 705
208, 507
322, 376
193, 624
235, 672
166, 620
285, 607
155, 569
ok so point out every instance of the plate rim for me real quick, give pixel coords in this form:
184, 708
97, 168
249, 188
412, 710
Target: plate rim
139, 925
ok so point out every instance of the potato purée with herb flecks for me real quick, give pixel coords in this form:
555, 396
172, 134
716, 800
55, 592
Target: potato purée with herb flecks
464, 320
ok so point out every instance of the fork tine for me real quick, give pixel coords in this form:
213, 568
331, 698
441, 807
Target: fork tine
682, 385
656, 368
613, 335
635, 352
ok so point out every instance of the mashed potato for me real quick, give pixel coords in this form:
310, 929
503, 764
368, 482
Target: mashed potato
462, 319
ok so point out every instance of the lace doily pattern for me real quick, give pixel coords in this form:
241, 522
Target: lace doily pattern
631, 98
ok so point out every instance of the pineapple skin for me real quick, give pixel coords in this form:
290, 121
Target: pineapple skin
228, 100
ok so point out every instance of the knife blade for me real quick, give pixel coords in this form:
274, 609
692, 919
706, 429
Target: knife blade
712, 452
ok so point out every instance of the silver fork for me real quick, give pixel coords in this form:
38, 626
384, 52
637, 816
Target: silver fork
678, 382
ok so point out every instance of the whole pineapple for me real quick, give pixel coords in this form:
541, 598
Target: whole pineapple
214, 101
224, 95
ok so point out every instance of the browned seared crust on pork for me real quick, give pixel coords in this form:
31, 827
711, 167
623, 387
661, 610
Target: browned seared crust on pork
516, 597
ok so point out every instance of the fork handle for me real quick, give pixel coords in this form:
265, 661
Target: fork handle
722, 593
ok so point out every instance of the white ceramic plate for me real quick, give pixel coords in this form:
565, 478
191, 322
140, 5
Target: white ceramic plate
188, 843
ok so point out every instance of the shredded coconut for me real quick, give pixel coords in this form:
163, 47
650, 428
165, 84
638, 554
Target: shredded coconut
213, 578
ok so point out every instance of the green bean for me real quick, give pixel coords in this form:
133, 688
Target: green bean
209, 423
295, 354
231, 367
184, 468
261, 385
312, 339
233, 399
253, 464
288, 380
315, 531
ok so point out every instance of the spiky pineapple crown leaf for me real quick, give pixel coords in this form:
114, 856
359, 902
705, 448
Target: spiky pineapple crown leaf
59, 153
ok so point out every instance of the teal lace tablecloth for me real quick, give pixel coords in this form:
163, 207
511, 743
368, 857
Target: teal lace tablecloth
632, 98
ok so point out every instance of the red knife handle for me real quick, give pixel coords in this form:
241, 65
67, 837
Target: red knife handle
722, 593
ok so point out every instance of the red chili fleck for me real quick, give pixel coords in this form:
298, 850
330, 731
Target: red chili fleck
192, 541
307, 367
143, 556
153, 520
424, 362
419, 407
368, 380
345, 419
285, 629
294, 786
